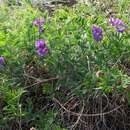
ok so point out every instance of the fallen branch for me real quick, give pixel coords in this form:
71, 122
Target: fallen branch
79, 117
86, 115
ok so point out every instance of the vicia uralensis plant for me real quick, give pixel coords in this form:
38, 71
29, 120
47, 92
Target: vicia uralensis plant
75, 55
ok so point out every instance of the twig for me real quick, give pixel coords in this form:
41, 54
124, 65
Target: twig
79, 117
42, 81
30, 76
86, 115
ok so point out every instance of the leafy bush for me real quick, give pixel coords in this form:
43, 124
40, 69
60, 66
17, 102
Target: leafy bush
83, 53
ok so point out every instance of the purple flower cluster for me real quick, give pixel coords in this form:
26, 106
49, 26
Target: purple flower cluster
2, 61
39, 23
41, 47
40, 44
118, 24
97, 33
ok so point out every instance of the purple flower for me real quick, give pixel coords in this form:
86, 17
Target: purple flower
2, 60
38, 22
42, 51
118, 24
40, 29
40, 44
97, 33
41, 47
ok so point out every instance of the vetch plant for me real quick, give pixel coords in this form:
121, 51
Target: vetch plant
81, 66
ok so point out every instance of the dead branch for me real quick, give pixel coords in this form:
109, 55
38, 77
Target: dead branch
86, 115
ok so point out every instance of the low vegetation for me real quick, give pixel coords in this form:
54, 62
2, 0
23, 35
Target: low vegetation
64, 70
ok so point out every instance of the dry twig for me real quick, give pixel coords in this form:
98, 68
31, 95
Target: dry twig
86, 115
79, 117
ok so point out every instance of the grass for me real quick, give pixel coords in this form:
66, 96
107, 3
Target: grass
80, 84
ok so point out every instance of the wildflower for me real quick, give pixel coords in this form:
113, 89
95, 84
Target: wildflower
42, 51
40, 29
118, 24
2, 60
40, 44
97, 33
39, 23
41, 47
